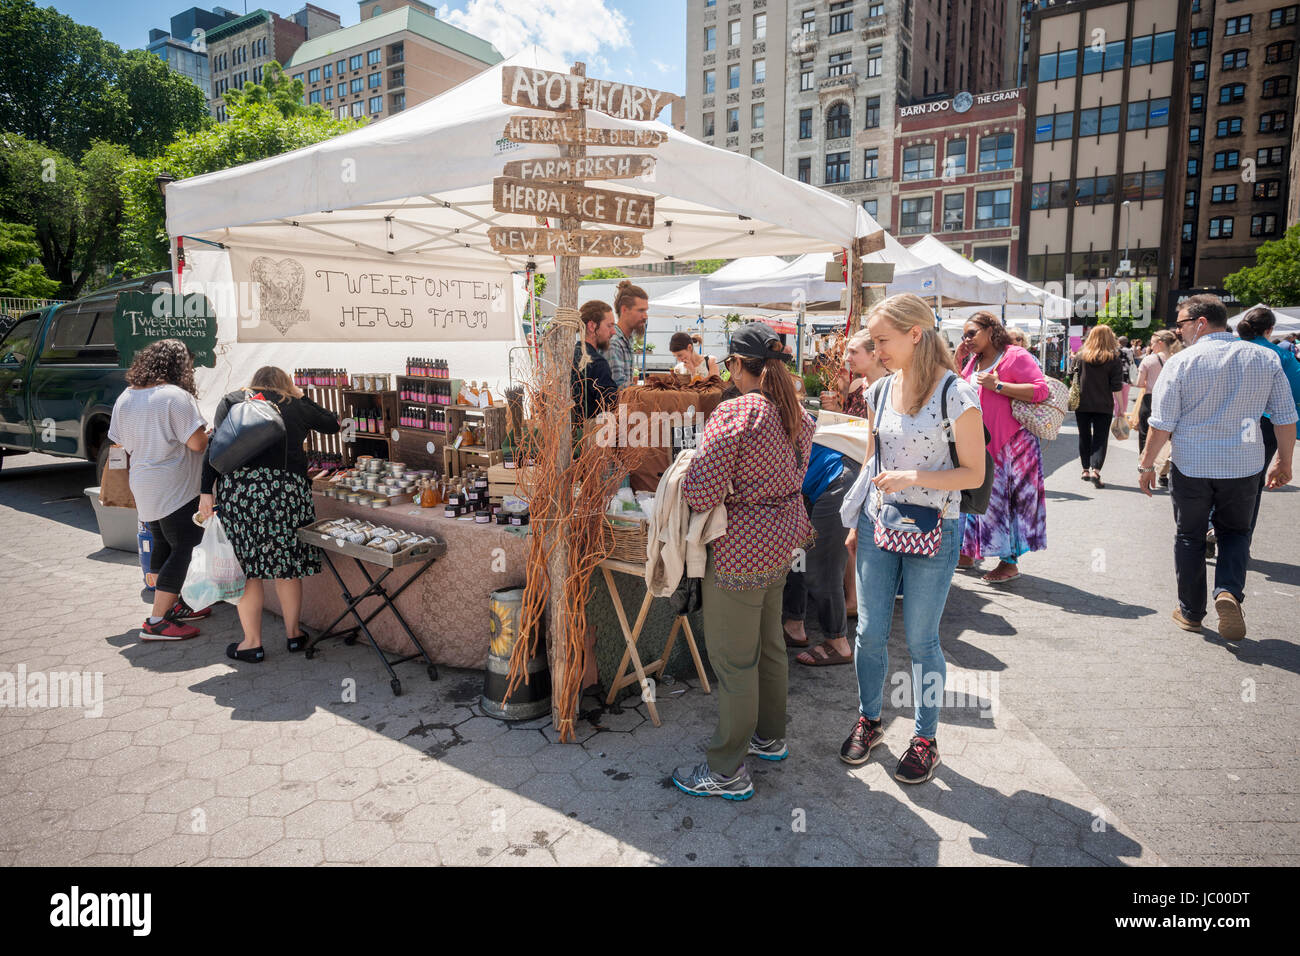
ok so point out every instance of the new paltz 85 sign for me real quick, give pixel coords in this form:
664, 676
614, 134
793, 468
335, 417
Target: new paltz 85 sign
142, 318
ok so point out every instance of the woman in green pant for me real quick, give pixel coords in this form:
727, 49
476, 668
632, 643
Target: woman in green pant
752, 456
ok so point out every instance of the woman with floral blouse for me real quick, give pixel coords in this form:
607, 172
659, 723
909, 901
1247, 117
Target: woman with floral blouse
752, 456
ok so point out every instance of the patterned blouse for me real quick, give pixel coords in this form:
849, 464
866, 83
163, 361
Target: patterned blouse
745, 445
856, 403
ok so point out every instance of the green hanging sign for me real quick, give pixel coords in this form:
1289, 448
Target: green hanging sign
142, 318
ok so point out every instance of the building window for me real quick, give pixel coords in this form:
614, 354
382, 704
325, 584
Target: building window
805, 169
1098, 189
1099, 120
756, 153
1234, 60
874, 55
313, 96
1221, 227
1279, 52
760, 72
357, 85
837, 167
710, 39
871, 206
1227, 159
1273, 122
354, 62
841, 17
1110, 57
1148, 113
710, 81
1232, 93
841, 64
1050, 127
329, 70
1269, 156
1193, 134
733, 120
806, 81
1193, 167
760, 26
1058, 66
313, 76
376, 104
805, 123
916, 215
341, 68
1263, 224
375, 81
918, 162
1268, 189
733, 33
297, 77
329, 94
1228, 126
733, 76
1276, 86
839, 122
756, 116
1282, 16
999, 257
1145, 185
1196, 104
1188, 231
1156, 48
808, 21
954, 212
992, 208
1226, 193
954, 160
358, 109
1236, 26
870, 164
873, 112
1200, 38
708, 125
373, 57
997, 152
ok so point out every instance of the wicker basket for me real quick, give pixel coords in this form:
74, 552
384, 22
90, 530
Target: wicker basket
630, 539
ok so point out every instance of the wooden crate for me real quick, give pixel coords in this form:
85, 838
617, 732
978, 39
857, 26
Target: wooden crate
489, 423
456, 460
412, 448
330, 399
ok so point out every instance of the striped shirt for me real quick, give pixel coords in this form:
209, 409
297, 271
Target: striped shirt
620, 358
1210, 398
153, 425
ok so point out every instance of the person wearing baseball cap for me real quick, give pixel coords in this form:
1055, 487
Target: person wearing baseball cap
751, 456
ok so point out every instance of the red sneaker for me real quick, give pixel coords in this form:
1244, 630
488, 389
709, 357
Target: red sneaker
167, 630
183, 612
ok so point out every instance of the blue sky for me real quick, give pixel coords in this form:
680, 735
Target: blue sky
640, 41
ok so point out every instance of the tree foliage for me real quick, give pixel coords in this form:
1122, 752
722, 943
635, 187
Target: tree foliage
264, 120
1130, 310
20, 276
605, 272
1274, 279
705, 267
63, 85
74, 209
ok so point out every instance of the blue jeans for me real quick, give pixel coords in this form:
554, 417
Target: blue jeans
925, 583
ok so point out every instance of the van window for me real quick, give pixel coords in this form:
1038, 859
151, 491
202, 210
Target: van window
17, 345
70, 332
101, 336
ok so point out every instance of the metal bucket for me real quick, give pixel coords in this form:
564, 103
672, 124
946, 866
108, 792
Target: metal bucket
530, 699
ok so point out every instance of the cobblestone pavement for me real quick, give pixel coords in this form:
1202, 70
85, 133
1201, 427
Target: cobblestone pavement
1095, 733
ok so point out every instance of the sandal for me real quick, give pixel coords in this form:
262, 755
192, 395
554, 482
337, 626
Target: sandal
297, 643
966, 562
1096, 480
994, 578
1086, 476
829, 656
790, 641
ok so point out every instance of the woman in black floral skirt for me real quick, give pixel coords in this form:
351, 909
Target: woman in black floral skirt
262, 505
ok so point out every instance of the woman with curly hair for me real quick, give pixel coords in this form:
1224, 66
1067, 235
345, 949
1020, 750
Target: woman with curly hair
1016, 519
263, 503
157, 420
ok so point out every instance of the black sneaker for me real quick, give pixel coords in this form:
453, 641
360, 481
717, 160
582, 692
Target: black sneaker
918, 764
183, 612
865, 735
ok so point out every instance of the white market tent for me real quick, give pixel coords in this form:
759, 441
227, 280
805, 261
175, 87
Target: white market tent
1288, 320
1020, 292
983, 289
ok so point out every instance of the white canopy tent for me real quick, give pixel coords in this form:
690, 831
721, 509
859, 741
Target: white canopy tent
983, 289
1288, 320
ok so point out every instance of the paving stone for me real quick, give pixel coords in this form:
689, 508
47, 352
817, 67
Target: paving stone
357, 842
247, 837
317, 819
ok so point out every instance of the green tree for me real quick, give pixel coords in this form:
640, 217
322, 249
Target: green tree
1274, 279
20, 276
705, 267
63, 85
74, 209
1130, 310
605, 272
263, 120
539, 286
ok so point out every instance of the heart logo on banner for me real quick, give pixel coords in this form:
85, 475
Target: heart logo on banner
280, 287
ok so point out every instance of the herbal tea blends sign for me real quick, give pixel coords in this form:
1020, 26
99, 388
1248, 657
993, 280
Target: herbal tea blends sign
338, 299
562, 132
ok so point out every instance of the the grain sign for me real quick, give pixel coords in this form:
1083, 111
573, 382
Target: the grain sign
561, 132
626, 166
566, 92
564, 242
573, 202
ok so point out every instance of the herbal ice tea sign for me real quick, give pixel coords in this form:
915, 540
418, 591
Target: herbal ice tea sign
142, 318
553, 188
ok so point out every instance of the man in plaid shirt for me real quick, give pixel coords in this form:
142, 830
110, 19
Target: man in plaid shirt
1210, 398
632, 306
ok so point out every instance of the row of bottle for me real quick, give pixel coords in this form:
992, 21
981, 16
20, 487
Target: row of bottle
430, 393
320, 464
321, 377
427, 368
420, 416
469, 489
368, 421
476, 395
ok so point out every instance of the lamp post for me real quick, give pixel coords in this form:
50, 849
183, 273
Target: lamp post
1128, 229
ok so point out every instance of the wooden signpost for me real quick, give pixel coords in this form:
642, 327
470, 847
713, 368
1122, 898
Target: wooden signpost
566, 132
566, 201
626, 166
564, 242
569, 92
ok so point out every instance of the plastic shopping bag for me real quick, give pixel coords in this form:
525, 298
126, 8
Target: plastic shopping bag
1119, 427
214, 574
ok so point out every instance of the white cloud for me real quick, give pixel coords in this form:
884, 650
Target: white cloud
661, 66
569, 29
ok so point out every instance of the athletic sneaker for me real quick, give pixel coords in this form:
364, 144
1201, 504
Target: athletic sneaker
865, 735
167, 630
774, 749
183, 612
702, 782
920, 761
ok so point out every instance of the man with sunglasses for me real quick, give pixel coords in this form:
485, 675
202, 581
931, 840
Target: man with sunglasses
1209, 398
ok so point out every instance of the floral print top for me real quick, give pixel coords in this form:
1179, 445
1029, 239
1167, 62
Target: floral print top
745, 446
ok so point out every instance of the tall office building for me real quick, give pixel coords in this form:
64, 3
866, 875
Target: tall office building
735, 76
1238, 175
1107, 94
184, 46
